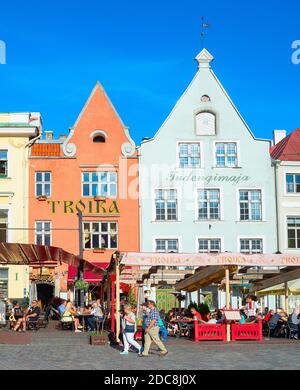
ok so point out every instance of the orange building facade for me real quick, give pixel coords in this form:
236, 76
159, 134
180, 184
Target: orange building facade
94, 172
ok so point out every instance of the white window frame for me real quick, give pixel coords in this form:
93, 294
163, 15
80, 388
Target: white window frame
178, 155
43, 183
250, 237
205, 237
6, 280
154, 205
99, 183
262, 204
42, 231
9, 224
290, 215
8, 164
166, 238
99, 233
285, 183
237, 142
197, 219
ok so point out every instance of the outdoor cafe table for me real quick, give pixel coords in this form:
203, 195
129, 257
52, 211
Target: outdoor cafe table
83, 315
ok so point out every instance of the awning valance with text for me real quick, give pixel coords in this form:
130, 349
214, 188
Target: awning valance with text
210, 259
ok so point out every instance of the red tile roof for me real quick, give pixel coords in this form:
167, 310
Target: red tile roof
287, 149
45, 150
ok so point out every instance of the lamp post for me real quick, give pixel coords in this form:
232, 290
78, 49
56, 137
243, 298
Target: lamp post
80, 293
117, 260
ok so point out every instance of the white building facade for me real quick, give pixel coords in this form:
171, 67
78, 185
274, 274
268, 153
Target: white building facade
286, 159
206, 183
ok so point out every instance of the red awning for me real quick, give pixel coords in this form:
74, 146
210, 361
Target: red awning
38, 255
87, 275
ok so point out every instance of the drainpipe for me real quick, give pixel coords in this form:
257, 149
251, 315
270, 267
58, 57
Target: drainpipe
276, 163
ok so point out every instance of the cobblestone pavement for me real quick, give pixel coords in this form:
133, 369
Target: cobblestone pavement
70, 353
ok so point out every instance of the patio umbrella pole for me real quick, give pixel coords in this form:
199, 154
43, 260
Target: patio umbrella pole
227, 300
286, 297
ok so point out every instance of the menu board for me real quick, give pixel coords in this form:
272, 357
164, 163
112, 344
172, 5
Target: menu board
232, 315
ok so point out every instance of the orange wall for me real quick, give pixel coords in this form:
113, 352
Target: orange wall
98, 114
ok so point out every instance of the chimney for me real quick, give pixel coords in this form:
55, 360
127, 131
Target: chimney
62, 137
49, 135
278, 136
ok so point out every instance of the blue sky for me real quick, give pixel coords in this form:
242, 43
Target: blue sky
143, 53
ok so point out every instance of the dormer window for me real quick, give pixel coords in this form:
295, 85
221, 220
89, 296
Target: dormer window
99, 136
205, 123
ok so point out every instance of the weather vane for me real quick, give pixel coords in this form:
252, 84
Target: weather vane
203, 28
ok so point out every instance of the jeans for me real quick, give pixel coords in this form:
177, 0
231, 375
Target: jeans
128, 339
163, 332
91, 321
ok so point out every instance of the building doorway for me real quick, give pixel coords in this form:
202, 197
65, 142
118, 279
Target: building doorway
45, 292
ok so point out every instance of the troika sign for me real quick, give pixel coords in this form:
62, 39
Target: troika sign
96, 206
204, 259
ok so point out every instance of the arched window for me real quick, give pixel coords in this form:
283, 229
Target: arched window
99, 139
205, 123
99, 136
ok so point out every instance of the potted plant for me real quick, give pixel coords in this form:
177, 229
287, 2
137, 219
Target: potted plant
96, 338
81, 285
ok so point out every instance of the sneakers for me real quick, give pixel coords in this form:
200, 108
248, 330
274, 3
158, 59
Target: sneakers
78, 331
124, 353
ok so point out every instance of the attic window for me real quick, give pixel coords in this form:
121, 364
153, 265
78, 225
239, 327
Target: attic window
99, 139
99, 136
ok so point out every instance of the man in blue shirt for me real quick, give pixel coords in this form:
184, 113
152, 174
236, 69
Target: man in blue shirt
152, 331
62, 307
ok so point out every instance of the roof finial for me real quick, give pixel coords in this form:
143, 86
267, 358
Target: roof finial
204, 26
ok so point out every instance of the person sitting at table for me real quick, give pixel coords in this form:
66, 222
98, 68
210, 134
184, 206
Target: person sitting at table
294, 322
172, 322
62, 307
211, 318
32, 314
268, 315
69, 317
96, 315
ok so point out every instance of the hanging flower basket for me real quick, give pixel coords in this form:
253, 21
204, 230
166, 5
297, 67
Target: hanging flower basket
81, 285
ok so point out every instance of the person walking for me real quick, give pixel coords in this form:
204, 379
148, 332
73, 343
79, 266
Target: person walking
152, 331
129, 329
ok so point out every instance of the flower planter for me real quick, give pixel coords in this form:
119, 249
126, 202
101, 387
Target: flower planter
98, 250
42, 198
98, 340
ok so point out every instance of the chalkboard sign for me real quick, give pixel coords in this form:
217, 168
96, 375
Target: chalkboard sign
2, 313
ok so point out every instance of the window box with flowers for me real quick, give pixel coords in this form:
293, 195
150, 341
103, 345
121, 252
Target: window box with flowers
99, 250
42, 198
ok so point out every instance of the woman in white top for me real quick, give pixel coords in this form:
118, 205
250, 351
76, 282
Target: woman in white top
129, 329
